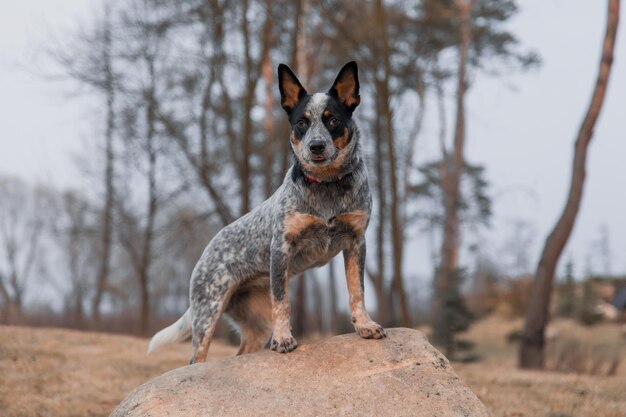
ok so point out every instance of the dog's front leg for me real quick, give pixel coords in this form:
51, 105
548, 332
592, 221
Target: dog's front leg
282, 339
354, 260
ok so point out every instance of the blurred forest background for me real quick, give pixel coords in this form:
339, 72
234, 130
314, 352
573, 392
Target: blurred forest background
189, 135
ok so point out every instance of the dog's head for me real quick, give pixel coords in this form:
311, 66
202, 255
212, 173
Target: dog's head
321, 124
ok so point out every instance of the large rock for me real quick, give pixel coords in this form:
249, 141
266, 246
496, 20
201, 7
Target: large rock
402, 375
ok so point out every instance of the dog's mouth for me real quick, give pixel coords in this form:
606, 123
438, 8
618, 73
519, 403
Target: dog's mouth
321, 160
317, 161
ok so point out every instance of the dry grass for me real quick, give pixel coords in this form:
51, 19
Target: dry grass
508, 391
53, 372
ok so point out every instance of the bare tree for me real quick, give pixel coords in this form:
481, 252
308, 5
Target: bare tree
387, 113
108, 88
21, 227
451, 169
271, 145
89, 59
73, 233
533, 340
474, 29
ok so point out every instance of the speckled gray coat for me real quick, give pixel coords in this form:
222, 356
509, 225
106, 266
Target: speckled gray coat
322, 208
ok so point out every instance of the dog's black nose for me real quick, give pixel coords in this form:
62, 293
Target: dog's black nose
317, 147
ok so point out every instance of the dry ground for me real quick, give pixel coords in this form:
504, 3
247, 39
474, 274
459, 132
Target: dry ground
510, 392
54, 372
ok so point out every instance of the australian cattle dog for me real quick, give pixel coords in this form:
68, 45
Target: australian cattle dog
322, 208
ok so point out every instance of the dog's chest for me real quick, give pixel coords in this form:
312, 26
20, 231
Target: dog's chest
312, 240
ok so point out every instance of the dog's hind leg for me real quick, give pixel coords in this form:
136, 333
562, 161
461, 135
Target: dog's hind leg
251, 309
210, 294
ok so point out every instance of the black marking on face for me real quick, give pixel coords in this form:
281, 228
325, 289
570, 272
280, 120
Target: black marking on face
321, 124
336, 119
299, 119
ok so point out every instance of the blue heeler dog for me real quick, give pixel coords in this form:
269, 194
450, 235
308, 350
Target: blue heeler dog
323, 207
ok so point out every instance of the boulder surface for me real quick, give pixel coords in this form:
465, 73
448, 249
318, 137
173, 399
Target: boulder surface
402, 375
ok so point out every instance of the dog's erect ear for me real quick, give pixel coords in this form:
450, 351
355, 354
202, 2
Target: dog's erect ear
346, 86
291, 91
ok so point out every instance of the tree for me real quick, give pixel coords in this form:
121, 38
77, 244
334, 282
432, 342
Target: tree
473, 28
107, 85
90, 61
382, 87
446, 285
73, 234
531, 354
137, 228
473, 207
22, 220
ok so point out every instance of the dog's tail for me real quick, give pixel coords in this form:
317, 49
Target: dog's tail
175, 333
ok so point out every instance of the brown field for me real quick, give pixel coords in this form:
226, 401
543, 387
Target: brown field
510, 392
54, 372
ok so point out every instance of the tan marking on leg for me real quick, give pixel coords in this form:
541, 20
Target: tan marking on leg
355, 292
203, 347
356, 219
295, 223
282, 339
363, 324
280, 318
243, 346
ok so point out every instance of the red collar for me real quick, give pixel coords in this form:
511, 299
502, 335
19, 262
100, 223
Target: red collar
311, 180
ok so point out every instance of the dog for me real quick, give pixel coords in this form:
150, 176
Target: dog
323, 207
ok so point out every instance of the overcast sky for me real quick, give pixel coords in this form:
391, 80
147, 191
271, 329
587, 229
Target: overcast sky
521, 127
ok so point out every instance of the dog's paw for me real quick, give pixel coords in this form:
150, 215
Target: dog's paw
284, 344
370, 330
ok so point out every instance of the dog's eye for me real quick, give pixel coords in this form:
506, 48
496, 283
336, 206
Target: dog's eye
301, 124
333, 123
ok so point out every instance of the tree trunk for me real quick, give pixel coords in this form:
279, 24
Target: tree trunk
283, 130
247, 109
146, 253
11, 310
378, 279
270, 147
332, 294
451, 172
105, 255
533, 340
396, 227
